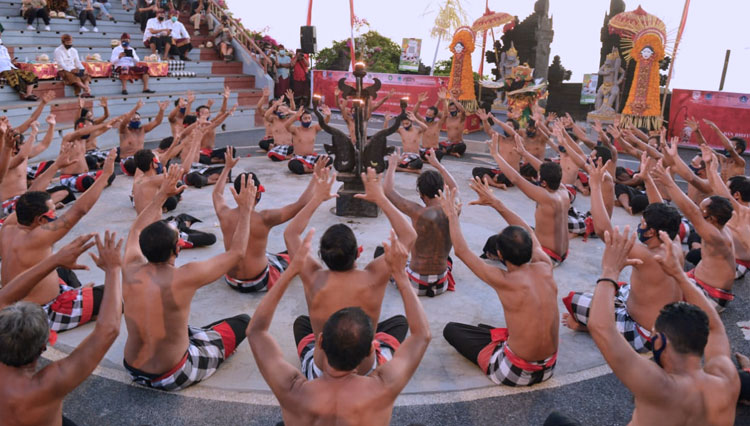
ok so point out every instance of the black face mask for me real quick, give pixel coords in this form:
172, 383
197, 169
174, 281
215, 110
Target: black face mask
160, 18
68, 46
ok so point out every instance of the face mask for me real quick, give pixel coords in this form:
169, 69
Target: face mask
280, 114
306, 124
160, 18
429, 119
135, 124
407, 128
641, 235
530, 133
694, 169
454, 113
85, 137
282, 52
657, 352
182, 111
159, 167
125, 43
174, 19
68, 46
50, 216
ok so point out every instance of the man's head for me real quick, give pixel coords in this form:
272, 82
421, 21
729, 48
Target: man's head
125, 40
738, 144
203, 112
685, 328
87, 113
306, 119
242, 176
739, 187
166, 143
24, 333
347, 338
514, 245
531, 128
452, 109
659, 217
717, 210
160, 14
189, 119
35, 208
550, 175
135, 122
698, 166
338, 248
67, 41
406, 124
653, 142
431, 113
638, 203
621, 173
429, 183
601, 152
528, 172
144, 160
174, 15
158, 242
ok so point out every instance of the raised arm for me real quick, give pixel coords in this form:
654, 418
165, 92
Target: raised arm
217, 195
6, 151
420, 99
129, 115
159, 117
529, 157
263, 101
536, 193
447, 177
599, 213
104, 103
714, 178
408, 207
679, 166
274, 217
738, 160
225, 97
322, 192
47, 97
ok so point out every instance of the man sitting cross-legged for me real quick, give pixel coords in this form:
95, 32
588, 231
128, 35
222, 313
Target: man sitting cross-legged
434, 120
410, 131
430, 267
342, 284
29, 395
29, 238
258, 270
77, 176
693, 381
162, 350
133, 134
527, 291
637, 304
341, 396
303, 139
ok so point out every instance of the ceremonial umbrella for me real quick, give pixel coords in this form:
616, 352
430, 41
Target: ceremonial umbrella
488, 21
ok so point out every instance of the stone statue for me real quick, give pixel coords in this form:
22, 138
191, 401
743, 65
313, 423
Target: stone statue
508, 61
611, 75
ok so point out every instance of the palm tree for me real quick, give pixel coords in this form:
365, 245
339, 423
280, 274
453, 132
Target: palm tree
450, 16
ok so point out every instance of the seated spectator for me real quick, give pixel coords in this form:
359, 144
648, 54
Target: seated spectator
57, 8
180, 36
157, 36
104, 7
200, 15
21, 81
71, 69
128, 4
146, 10
223, 36
85, 11
283, 66
31, 9
125, 61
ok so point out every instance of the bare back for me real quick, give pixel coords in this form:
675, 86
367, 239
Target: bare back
433, 244
650, 288
24, 402
14, 182
717, 265
551, 222
19, 253
255, 261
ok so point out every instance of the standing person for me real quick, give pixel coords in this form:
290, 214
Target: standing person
125, 61
527, 291
21, 81
33, 395
283, 68
339, 396
162, 351
35, 9
85, 11
454, 126
300, 85
70, 67
156, 36
693, 380
180, 37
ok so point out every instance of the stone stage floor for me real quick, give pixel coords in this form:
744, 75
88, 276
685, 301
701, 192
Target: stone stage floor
446, 389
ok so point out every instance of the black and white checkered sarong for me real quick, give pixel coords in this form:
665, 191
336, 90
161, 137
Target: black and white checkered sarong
281, 152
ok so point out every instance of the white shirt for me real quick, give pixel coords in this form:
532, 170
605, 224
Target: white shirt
154, 24
178, 30
5, 60
67, 59
124, 61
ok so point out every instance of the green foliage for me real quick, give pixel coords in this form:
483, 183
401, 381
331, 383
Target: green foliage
380, 53
443, 67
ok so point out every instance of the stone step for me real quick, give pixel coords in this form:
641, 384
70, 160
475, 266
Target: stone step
201, 60
71, 26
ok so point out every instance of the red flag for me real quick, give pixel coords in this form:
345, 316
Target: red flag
309, 13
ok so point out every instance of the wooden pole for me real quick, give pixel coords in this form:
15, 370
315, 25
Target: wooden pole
683, 21
724, 71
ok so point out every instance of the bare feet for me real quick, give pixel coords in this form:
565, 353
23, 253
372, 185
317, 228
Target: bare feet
572, 324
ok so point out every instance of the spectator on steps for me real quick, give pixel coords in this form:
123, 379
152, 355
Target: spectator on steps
128, 4
201, 15
179, 35
157, 36
58, 8
223, 36
21, 81
85, 11
104, 7
35, 9
70, 67
125, 61
146, 10
283, 66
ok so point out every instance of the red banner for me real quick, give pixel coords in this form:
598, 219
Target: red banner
403, 85
730, 112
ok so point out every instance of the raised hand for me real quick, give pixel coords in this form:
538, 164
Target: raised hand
422, 97
672, 260
373, 188
326, 110
169, 184
210, 103
229, 160
431, 157
48, 97
442, 94
68, 255
395, 254
51, 119
520, 147
245, 199
139, 104
448, 202
227, 92
66, 157
323, 184
303, 252
596, 172
484, 192
616, 251
190, 96
336, 93
104, 102
109, 251
109, 163
320, 165
163, 105
482, 114
81, 103
660, 174
394, 159
671, 147
35, 127
289, 94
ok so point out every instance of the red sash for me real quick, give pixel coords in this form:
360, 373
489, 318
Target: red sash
714, 292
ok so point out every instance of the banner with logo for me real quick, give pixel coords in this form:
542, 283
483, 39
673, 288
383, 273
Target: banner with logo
411, 49
730, 111
588, 92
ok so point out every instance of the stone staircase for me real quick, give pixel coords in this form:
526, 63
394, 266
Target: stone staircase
211, 76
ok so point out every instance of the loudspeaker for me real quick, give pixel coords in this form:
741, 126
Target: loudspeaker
307, 39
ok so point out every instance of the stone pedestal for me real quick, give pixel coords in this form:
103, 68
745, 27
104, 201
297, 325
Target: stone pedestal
606, 118
346, 204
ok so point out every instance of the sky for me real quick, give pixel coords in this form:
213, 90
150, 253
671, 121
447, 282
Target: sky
712, 28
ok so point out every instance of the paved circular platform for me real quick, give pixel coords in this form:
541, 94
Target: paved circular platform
444, 377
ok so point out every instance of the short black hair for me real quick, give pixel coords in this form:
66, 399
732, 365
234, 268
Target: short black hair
740, 184
514, 123
602, 152
619, 170
347, 338
166, 143
638, 203
198, 110
158, 241
24, 333
551, 173
685, 326
429, 183
31, 205
515, 245
741, 144
144, 158
720, 208
338, 248
661, 217
529, 172
189, 119
433, 109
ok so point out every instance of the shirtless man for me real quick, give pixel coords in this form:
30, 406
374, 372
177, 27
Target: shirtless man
30, 240
410, 160
552, 204
535, 141
346, 114
527, 291
30, 395
506, 146
434, 119
430, 267
694, 173
732, 163
638, 303
260, 111
77, 176
693, 381
182, 108
208, 153
277, 117
162, 351
340, 396
94, 156
303, 138
258, 270
133, 134
342, 284
454, 127
714, 274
